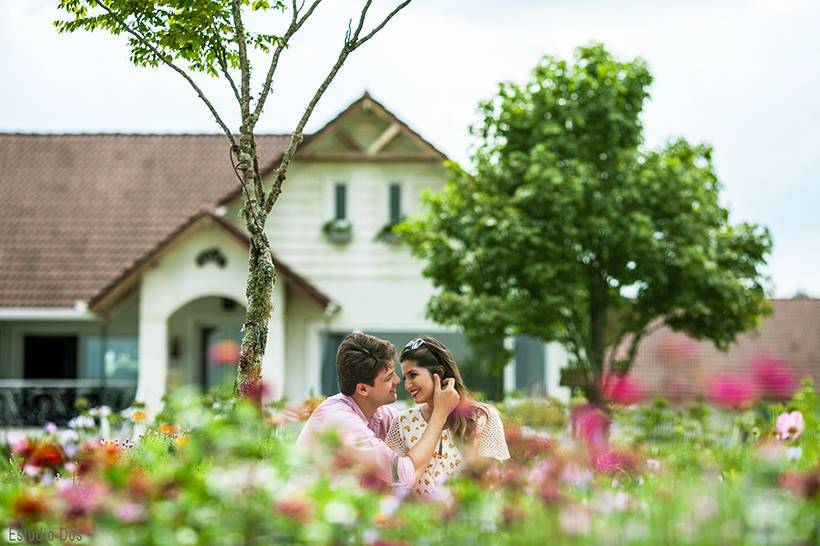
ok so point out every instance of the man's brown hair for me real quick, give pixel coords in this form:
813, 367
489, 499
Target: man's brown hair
360, 358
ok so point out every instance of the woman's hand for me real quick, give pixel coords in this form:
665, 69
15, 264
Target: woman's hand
446, 399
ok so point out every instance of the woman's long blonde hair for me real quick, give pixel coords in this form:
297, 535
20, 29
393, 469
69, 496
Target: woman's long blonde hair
434, 357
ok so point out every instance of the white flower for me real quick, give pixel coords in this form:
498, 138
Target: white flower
101, 411
339, 512
794, 453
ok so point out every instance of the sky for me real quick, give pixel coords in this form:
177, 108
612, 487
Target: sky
741, 75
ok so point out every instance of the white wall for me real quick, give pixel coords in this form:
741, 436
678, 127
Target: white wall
174, 280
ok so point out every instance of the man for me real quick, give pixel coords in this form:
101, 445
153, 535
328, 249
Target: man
361, 413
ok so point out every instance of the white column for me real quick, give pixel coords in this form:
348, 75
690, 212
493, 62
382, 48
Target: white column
153, 360
509, 369
557, 360
273, 362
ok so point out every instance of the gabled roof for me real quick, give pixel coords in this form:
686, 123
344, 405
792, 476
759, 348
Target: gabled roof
130, 275
77, 211
356, 151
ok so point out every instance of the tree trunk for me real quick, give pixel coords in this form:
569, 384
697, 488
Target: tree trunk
595, 348
261, 279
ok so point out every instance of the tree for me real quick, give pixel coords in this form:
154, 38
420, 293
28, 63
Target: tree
568, 229
210, 37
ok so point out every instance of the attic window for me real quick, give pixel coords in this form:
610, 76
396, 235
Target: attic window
341, 201
395, 203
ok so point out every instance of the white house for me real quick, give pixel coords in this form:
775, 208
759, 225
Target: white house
123, 262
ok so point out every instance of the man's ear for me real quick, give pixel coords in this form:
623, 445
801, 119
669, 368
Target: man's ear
361, 389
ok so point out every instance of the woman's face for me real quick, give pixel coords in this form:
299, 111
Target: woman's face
418, 382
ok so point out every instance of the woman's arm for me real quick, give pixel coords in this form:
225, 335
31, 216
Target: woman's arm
444, 401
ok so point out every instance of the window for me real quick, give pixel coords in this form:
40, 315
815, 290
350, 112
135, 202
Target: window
395, 203
341, 201
111, 357
50, 357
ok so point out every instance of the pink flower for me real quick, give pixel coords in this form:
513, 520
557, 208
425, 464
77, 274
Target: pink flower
731, 391
622, 390
790, 426
772, 377
129, 512
591, 425
83, 498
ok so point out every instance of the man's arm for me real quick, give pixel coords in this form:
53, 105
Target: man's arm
444, 402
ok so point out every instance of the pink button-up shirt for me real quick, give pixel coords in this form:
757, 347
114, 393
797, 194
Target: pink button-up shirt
342, 413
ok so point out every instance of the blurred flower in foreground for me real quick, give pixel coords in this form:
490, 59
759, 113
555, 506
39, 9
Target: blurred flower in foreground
591, 425
790, 426
29, 505
772, 377
803, 484
731, 392
622, 390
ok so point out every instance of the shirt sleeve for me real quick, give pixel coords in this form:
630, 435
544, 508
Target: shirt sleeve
492, 442
388, 465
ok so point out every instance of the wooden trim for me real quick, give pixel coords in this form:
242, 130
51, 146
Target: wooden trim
366, 158
384, 139
345, 138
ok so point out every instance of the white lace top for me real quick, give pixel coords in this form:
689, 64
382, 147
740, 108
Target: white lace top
409, 425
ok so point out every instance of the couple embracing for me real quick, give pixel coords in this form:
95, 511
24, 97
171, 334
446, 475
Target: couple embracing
418, 448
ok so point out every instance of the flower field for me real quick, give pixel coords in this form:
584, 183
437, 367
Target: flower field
215, 472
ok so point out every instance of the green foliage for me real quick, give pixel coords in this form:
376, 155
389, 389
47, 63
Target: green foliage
201, 33
568, 229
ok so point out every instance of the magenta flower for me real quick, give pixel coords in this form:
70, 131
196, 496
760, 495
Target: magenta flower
772, 377
622, 390
591, 425
731, 391
790, 426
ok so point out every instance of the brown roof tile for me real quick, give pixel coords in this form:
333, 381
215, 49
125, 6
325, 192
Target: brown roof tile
76, 211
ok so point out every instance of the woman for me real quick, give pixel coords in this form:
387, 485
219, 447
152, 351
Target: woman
473, 429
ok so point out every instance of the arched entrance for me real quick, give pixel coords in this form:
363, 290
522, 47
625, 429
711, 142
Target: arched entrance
203, 343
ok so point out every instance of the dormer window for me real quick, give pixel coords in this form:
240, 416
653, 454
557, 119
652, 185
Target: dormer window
395, 204
341, 201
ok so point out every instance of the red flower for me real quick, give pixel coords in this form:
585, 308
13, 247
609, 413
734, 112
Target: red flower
29, 505
804, 484
295, 508
47, 455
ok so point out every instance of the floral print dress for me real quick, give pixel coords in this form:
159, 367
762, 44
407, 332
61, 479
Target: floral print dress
448, 459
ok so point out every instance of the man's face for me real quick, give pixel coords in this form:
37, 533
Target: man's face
384, 386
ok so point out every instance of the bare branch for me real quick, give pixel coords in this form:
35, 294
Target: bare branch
222, 58
295, 24
380, 26
349, 46
362, 17
244, 69
162, 58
